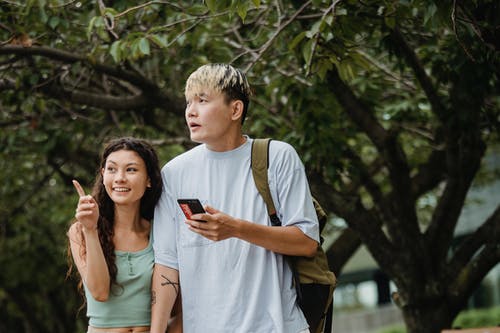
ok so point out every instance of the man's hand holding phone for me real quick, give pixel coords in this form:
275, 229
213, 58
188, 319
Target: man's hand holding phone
215, 225
191, 207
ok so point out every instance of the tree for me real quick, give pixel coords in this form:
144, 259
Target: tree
388, 102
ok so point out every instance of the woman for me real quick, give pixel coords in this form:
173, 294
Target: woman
110, 239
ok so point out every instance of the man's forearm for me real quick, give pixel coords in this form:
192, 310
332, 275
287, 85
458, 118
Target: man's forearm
164, 291
287, 240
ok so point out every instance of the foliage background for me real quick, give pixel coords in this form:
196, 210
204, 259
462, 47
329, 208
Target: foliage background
391, 104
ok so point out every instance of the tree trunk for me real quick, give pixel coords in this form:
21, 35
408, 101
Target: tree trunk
383, 287
427, 318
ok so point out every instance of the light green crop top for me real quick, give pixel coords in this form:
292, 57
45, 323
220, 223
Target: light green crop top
130, 304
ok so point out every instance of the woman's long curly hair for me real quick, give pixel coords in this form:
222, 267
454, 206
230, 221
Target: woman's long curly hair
105, 223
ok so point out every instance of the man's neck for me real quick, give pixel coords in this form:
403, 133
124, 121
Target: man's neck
227, 144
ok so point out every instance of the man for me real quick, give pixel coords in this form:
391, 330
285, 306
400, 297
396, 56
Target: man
230, 265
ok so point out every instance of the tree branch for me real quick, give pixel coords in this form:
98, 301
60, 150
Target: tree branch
391, 151
383, 205
270, 41
7, 84
147, 86
464, 151
365, 177
425, 82
429, 174
99, 100
472, 275
342, 250
361, 115
151, 94
489, 232
366, 224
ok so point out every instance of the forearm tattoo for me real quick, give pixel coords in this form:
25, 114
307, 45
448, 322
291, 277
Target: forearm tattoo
167, 282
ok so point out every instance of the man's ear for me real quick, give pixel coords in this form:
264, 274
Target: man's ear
237, 109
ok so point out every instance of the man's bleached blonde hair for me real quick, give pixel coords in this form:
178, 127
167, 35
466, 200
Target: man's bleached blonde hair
221, 78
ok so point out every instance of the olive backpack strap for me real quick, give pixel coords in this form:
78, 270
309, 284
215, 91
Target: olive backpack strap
259, 164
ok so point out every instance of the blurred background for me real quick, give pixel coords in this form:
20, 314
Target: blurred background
392, 105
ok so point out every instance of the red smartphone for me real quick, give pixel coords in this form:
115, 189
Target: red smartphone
190, 207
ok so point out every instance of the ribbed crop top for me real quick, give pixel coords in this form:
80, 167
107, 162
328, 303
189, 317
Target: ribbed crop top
130, 304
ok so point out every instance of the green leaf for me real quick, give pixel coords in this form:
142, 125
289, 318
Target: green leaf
307, 51
161, 41
115, 51
390, 21
54, 22
144, 46
99, 22
90, 27
43, 15
345, 71
317, 27
329, 20
197, 9
360, 60
242, 9
211, 4
256, 3
110, 12
135, 50
341, 12
33, 79
296, 40
323, 67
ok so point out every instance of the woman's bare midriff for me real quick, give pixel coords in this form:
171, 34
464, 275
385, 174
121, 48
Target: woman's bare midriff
137, 329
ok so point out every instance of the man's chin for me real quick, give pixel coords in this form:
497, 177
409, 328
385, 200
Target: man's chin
196, 138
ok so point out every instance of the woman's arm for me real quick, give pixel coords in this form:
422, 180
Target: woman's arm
86, 248
89, 260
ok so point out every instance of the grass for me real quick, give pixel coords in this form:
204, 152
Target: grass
466, 319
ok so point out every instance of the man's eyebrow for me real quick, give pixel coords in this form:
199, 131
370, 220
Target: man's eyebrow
202, 94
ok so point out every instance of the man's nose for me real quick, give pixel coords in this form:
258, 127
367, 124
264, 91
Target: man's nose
191, 110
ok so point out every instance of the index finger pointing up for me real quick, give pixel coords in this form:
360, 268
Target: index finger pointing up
79, 188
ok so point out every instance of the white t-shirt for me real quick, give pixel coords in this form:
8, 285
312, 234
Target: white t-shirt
232, 285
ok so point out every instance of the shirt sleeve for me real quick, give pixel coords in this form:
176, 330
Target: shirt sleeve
292, 193
165, 229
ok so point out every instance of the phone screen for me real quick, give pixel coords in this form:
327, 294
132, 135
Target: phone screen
190, 207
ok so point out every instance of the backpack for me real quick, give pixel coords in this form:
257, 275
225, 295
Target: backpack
313, 279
